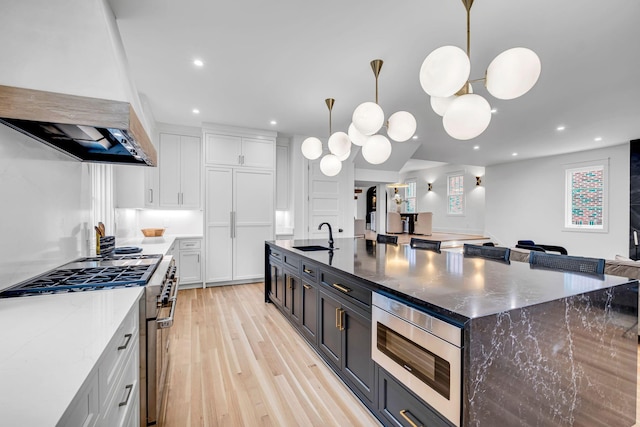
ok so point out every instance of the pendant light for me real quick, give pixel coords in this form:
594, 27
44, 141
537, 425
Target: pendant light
444, 75
368, 119
339, 148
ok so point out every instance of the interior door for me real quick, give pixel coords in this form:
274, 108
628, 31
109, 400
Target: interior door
219, 188
253, 191
324, 202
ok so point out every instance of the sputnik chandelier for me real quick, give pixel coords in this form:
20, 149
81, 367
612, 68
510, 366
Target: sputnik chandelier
339, 148
445, 77
368, 119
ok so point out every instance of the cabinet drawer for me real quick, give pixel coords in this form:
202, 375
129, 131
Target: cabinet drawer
125, 396
401, 407
123, 343
309, 271
291, 261
190, 244
346, 288
275, 254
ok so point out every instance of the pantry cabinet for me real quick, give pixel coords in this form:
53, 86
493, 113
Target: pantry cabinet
239, 151
179, 171
239, 218
239, 202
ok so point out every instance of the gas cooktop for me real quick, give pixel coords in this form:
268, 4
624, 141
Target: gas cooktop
87, 274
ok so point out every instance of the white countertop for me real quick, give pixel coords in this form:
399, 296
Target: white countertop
49, 345
154, 245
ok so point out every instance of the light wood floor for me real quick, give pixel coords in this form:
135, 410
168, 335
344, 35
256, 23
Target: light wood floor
236, 361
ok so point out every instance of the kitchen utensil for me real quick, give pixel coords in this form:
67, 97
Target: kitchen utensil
102, 229
128, 250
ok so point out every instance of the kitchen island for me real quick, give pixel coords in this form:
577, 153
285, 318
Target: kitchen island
539, 347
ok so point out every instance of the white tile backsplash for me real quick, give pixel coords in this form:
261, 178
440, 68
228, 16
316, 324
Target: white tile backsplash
44, 214
129, 222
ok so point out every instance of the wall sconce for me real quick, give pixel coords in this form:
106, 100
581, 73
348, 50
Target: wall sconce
430, 187
478, 180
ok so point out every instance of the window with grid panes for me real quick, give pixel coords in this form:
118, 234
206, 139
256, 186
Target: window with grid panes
455, 194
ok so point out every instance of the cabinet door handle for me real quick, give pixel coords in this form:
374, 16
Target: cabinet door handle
231, 225
306, 270
151, 195
404, 413
306, 286
289, 282
341, 288
129, 388
337, 318
341, 320
126, 343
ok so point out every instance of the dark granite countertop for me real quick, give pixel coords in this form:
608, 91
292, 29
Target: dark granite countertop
465, 287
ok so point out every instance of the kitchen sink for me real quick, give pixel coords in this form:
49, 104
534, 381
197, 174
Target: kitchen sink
313, 248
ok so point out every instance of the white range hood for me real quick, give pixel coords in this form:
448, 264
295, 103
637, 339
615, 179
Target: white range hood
65, 81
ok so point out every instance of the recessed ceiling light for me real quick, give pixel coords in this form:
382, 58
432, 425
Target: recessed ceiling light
273, 122
494, 110
195, 111
514, 154
476, 147
560, 128
597, 138
414, 137
198, 62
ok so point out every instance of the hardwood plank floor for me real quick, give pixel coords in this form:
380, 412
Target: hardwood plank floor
236, 361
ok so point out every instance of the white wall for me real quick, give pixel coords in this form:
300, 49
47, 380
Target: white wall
525, 200
177, 222
361, 203
46, 202
473, 220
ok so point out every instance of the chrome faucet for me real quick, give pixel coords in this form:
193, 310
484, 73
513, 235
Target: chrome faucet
330, 233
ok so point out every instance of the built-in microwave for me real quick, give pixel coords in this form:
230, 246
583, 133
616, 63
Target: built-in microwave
422, 352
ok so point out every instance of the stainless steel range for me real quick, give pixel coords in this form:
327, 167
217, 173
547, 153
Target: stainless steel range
158, 274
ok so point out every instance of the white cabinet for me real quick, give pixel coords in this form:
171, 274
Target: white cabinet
179, 175
110, 396
239, 217
136, 186
240, 151
188, 259
282, 177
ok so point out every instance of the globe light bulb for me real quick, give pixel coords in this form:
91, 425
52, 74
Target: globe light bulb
339, 144
345, 156
330, 165
368, 118
402, 125
356, 137
445, 71
467, 117
312, 148
513, 73
440, 105
377, 149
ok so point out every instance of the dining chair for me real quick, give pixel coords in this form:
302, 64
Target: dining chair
487, 252
385, 238
567, 263
431, 245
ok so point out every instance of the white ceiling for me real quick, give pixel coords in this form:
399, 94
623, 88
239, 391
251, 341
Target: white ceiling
279, 61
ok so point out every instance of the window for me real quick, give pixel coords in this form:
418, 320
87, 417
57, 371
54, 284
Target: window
410, 197
455, 193
585, 197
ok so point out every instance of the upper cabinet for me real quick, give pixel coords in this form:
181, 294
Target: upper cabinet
179, 171
239, 151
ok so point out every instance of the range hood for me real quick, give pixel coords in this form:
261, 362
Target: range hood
88, 129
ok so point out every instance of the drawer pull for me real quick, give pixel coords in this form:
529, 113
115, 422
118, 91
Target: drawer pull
126, 343
306, 286
306, 270
404, 413
275, 254
129, 388
341, 288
